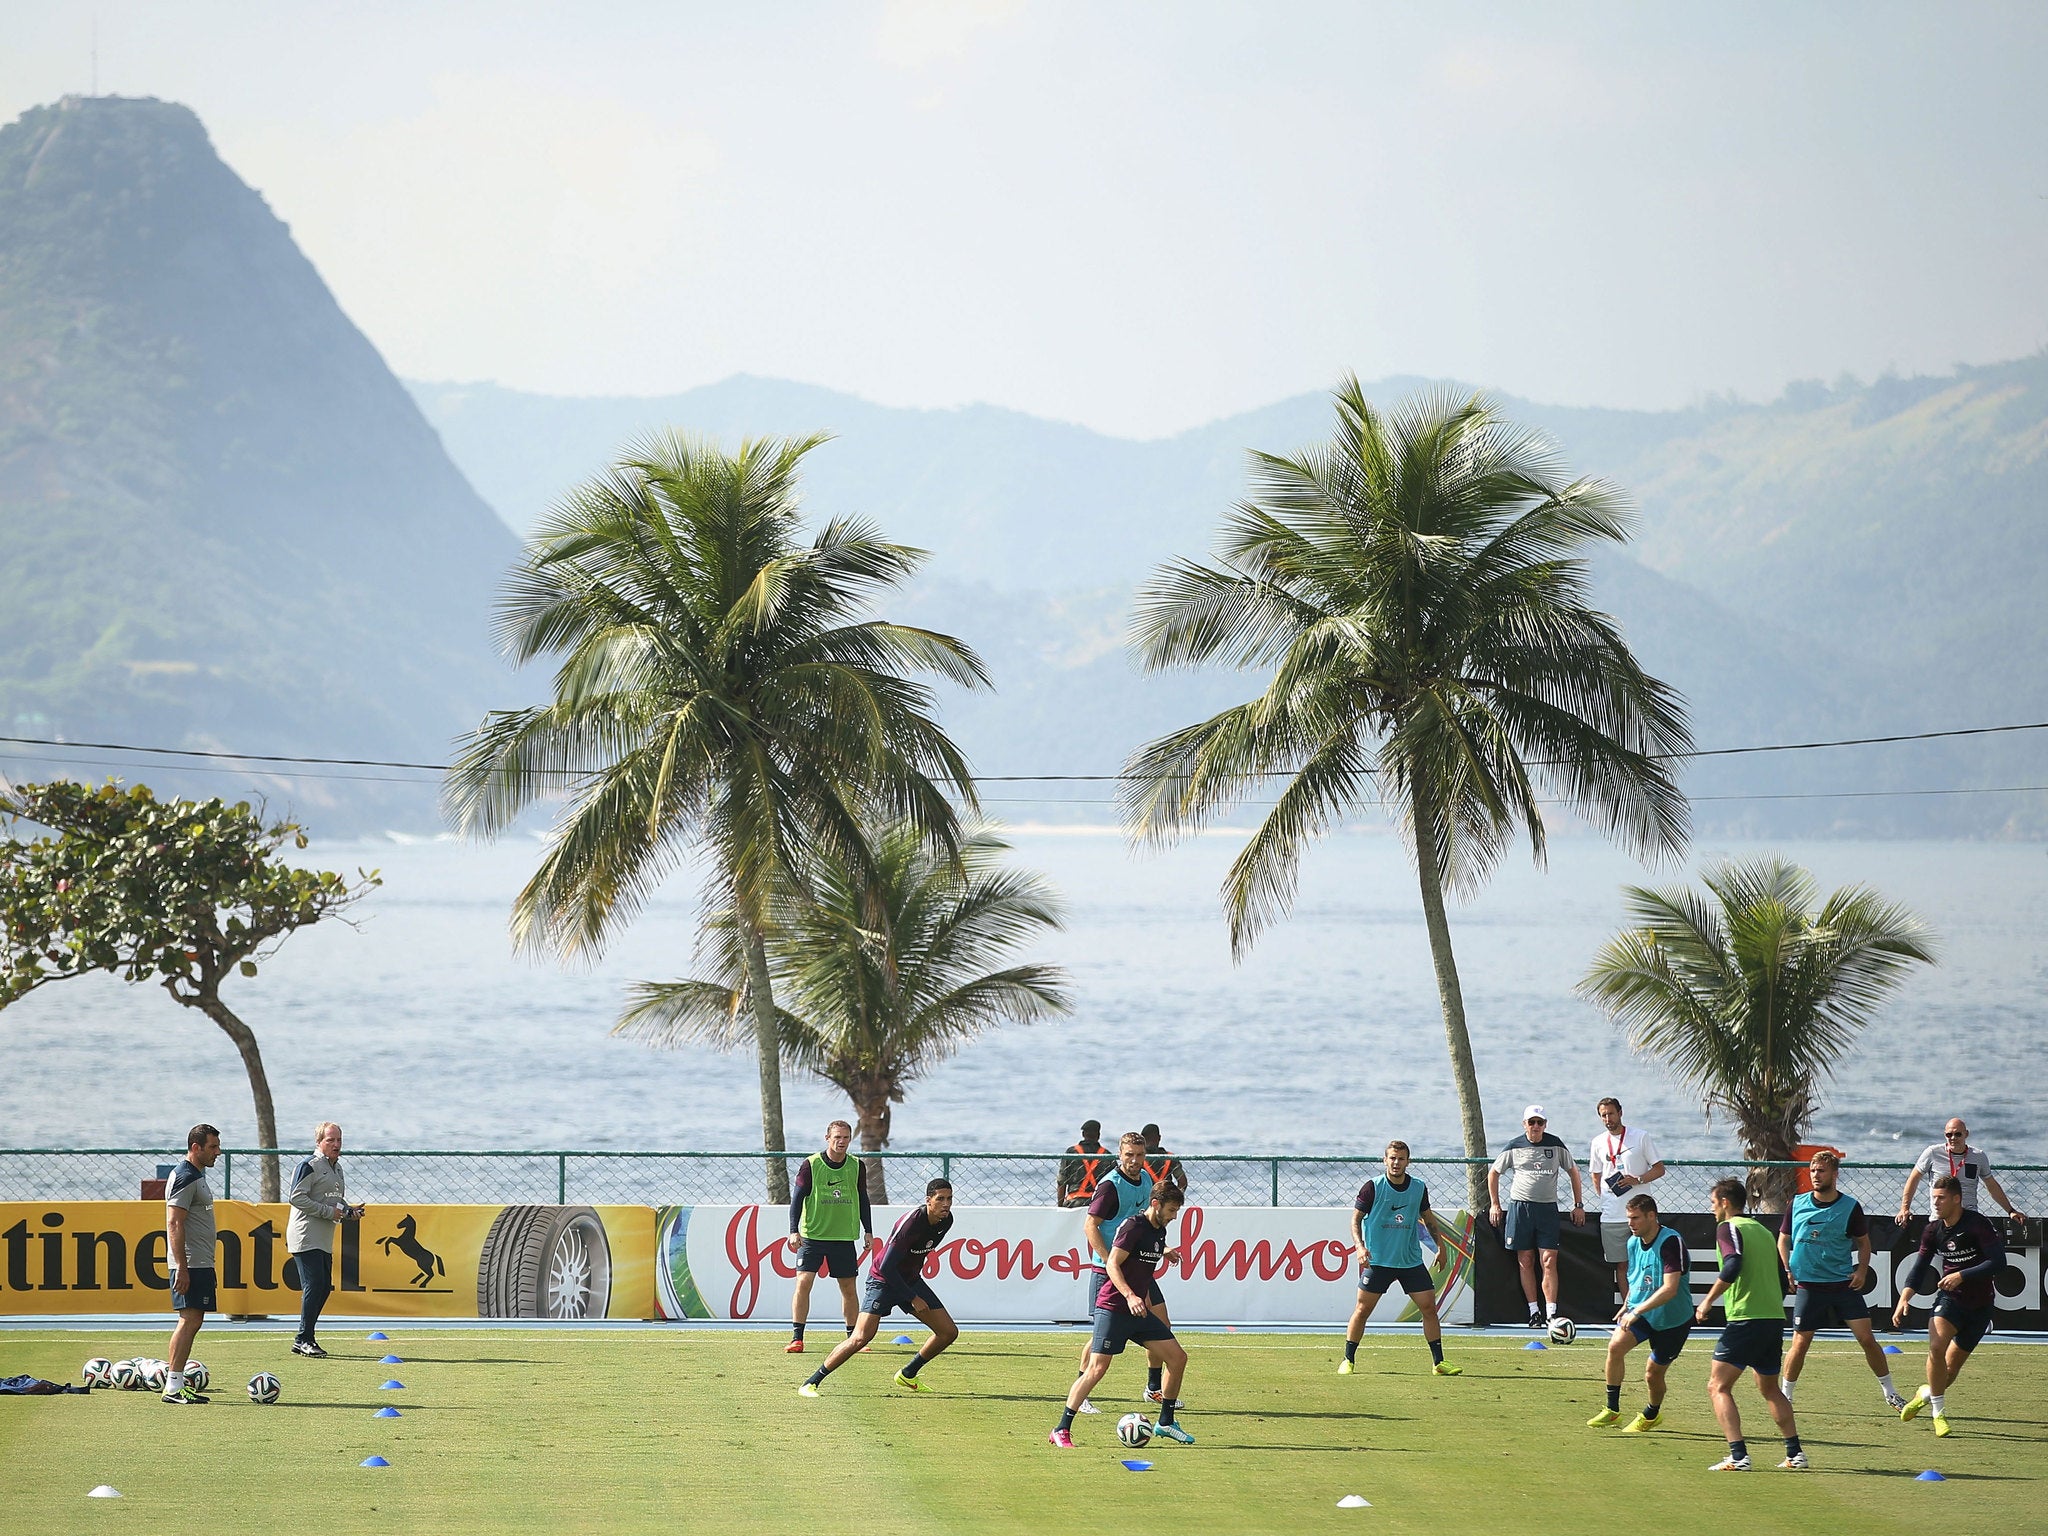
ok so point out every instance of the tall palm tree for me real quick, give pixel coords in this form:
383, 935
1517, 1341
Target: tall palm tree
717, 690
1416, 588
883, 965
1750, 995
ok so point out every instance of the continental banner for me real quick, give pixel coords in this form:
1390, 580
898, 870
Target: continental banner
567, 1262
1023, 1265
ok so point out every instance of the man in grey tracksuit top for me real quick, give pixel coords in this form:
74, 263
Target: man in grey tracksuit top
319, 1199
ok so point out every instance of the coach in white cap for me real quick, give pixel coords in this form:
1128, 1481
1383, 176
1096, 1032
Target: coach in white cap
1622, 1161
1533, 1160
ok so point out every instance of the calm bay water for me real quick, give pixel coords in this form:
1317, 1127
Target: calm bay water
422, 1028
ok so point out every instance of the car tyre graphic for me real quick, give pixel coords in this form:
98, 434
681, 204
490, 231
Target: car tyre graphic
549, 1261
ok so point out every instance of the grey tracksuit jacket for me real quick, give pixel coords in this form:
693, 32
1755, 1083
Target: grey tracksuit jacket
318, 1198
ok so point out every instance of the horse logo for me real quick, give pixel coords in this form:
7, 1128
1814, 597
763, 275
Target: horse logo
408, 1243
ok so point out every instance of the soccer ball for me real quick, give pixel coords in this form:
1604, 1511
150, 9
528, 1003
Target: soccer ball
1563, 1330
264, 1388
1135, 1430
98, 1372
156, 1374
127, 1375
197, 1375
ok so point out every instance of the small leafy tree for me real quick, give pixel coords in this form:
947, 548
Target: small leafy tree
1750, 994
882, 975
183, 893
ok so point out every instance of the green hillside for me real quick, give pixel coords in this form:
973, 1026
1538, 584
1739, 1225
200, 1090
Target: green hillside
221, 518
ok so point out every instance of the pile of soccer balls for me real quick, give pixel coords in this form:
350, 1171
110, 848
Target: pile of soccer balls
136, 1375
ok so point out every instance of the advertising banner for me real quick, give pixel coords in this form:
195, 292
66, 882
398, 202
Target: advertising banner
1025, 1265
559, 1261
1586, 1289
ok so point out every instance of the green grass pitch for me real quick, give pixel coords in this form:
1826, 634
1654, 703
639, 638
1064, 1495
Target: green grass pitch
675, 1430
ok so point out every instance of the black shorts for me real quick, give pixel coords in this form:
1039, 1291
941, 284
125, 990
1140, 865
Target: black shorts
1665, 1343
1814, 1310
1115, 1329
841, 1259
1970, 1323
202, 1297
884, 1296
1753, 1344
1414, 1278
1531, 1224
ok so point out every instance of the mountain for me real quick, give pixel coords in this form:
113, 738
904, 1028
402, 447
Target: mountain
222, 519
1854, 560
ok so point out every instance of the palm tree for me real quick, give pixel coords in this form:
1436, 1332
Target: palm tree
718, 692
1750, 995
1417, 590
883, 965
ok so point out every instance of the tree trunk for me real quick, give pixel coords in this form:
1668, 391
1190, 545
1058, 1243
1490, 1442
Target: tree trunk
1770, 1189
768, 1044
259, 1084
1463, 1073
871, 1124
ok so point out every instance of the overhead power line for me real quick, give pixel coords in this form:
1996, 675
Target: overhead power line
989, 778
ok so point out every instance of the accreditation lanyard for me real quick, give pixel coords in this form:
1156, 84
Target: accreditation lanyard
1615, 1147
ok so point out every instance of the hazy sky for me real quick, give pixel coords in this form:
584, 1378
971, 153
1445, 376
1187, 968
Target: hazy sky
1139, 216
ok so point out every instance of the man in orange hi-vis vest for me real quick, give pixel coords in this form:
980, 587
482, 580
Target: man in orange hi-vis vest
1087, 1160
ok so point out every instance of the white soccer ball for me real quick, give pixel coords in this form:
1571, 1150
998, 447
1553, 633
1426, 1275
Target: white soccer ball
1135, 1430
127, 1375
1563, 1330
98, 1372
197, 1375
156, 1374
264, 1388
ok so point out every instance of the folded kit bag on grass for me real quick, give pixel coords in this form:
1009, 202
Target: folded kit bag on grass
35, 1386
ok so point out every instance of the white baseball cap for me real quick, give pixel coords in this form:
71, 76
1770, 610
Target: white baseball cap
1535, 1112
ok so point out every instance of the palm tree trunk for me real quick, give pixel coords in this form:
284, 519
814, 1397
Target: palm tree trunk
871, 1116
1452, 996
209, 1003
768, 1043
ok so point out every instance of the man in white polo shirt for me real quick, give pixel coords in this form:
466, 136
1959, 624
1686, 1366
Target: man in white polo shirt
1623, 1160
1954, 1156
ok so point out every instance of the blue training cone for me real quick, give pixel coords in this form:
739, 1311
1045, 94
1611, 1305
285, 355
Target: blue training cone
379, 1335
373, 1461
1930, 1476
1137, 1466
392, 1386
902, 1338
1893, 1349
391, 1360
386, 1413
1535, 1344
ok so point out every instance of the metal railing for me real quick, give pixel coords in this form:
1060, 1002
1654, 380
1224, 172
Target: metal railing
585, 1177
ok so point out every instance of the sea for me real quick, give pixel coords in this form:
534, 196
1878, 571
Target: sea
418, 1025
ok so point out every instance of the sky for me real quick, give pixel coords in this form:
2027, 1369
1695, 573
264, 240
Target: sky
1136, 216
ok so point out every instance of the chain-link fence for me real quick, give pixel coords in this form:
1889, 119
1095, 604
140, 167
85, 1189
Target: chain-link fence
979, 1178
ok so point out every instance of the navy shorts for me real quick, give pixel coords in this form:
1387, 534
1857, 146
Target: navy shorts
1414, 1279
202, 1296
841, 1260
885, 1296
1113, 1330
1814, 1310
1665, 1343
1095, 1280
1753, 1344
1531, 1224
1970, 1323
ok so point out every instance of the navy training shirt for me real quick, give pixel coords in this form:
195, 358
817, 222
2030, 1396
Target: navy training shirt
1146, 1245
915, 1239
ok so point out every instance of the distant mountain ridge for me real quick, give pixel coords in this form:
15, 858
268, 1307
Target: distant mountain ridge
1801, 570
222, 519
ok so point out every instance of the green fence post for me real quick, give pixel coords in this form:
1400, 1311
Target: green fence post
946, 1168
1275, 1163
561, 1178
227, 1175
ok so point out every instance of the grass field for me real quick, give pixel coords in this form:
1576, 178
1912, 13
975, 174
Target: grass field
681, 1431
